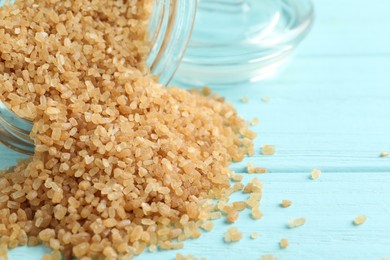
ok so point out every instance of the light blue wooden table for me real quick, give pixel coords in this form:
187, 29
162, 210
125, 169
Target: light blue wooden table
329, 109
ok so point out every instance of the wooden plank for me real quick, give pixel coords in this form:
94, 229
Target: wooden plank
329, 110
349, 28
329, 205
329, 113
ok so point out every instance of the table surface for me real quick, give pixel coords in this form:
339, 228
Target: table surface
329, 109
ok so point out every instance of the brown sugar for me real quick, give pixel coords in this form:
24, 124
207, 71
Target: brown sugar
268, 149
256, 213
359, 220
239, 205
255, 121
122, 164
233, 235
283, 243
232, 216
315, 174
293, 223
252, 169
237, 177
187, 257
254, 235
269, 257
286, 203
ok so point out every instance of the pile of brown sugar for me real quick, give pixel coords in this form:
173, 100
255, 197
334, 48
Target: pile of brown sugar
121, 162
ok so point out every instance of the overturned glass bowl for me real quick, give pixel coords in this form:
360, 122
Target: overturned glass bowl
241, 41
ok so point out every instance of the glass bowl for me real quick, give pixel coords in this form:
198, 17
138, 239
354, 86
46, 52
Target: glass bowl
240, 41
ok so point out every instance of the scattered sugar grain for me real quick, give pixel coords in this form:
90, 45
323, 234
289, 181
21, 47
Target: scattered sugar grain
206, 91
255, 121
233, 235
286, 203
268, 149
237, 177
152, 248
254, 235
283, 243
293, 223
238, 186
253, 170
359, 220
207, 226
315, 174
232, 216
239, 205
256, 213
269, 257
187, 257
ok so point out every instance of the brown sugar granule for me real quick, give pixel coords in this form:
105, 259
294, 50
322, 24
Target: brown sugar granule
215, 215
293, 223
359, 220
256, 213
315, 174
269, 257
268, 149
255, 121
152, 248
187, 257
247, 133
253, 202
121, 163
238, 186
254, 186
232, 216
207, 226
283, 243
384, 154
254, 235
252, 169
236, 177
206, 91
3, 251
233, 235
286, 203
239, 205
